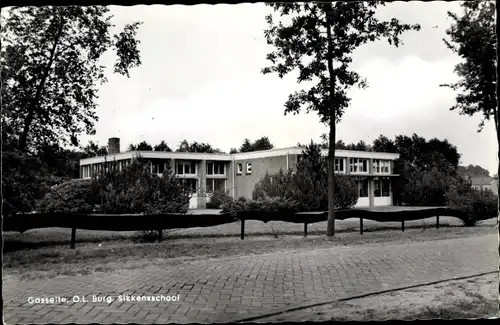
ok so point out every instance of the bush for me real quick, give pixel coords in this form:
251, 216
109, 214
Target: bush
136, 190
273, 204
477, 205
217, 199
74, 196
424, 188
308, 186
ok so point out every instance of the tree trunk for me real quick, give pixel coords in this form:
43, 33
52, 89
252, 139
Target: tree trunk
23, 139
330, 229
496, 118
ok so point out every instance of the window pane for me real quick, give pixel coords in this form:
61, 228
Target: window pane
240, 168
385, 187
222, 168
363, 188
365, 165
219, 185
193, 167
210, 167
161, 166
377, 191
180, 169
210, 185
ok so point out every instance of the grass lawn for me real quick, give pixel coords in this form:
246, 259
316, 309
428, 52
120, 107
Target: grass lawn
46, 253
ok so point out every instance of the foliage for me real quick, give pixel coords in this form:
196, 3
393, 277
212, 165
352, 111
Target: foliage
93, 149
472, 36
319, 43
142, 146
308, 185
217, 199
74, 196
271, 204
426, 168
162, 146
260, 144
477, 204
472, 170
136, 190
51, 72
185, 146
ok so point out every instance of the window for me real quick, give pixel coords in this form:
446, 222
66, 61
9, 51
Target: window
240, 169
186, 168
158, 166
216, 168
358, 165
216, 184
385, 187
381, 166
382, 188
363, 188
191, 183
339, 165
249, 168
377, 192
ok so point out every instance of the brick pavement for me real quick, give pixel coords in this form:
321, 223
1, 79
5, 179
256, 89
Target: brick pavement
228, 289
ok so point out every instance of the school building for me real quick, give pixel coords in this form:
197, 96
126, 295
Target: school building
238, 173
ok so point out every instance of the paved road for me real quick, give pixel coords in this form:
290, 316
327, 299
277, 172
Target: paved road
230, 289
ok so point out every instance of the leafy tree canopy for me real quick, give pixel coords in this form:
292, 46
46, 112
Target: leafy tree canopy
51, 71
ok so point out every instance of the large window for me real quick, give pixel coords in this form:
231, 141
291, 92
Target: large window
216, 168
339, 165
359, 165
363, 188
158, 166
192, 183
216, 185
186, 168
381, 166
249, 168
382, 188
240, 169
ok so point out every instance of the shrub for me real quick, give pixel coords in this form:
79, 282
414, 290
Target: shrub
74, 196
476, 204
308, 186
136, 190
272, 204
217, 199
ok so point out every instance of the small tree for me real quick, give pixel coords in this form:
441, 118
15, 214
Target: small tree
319, 43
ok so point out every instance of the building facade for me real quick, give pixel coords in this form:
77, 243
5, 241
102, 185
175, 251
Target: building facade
238, 173
484, 183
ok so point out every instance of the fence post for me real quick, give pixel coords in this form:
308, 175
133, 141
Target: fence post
361, 225
305, 229
73, 237
242, 228
403, 225
437, 222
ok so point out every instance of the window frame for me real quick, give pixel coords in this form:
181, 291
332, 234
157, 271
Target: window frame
249, 168
358, 162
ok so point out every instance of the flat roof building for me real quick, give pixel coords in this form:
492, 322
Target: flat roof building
239, 172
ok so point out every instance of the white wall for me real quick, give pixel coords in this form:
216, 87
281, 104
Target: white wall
193, 202
363, 202
382, 201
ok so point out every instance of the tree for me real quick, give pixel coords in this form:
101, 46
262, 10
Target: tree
162, 146
260, 144
93, 149
472, 170
319, 43
185, 146
473, 37
384, 144
233, 150
51, 72
246, 146
142, 146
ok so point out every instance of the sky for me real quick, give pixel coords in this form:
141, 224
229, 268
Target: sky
200, 80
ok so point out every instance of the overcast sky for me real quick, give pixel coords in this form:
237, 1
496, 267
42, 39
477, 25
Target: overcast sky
200, 80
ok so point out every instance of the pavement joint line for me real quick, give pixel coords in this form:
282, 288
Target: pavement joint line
375, 293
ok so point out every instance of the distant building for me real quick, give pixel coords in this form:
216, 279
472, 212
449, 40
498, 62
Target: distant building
485, 183
238, 173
